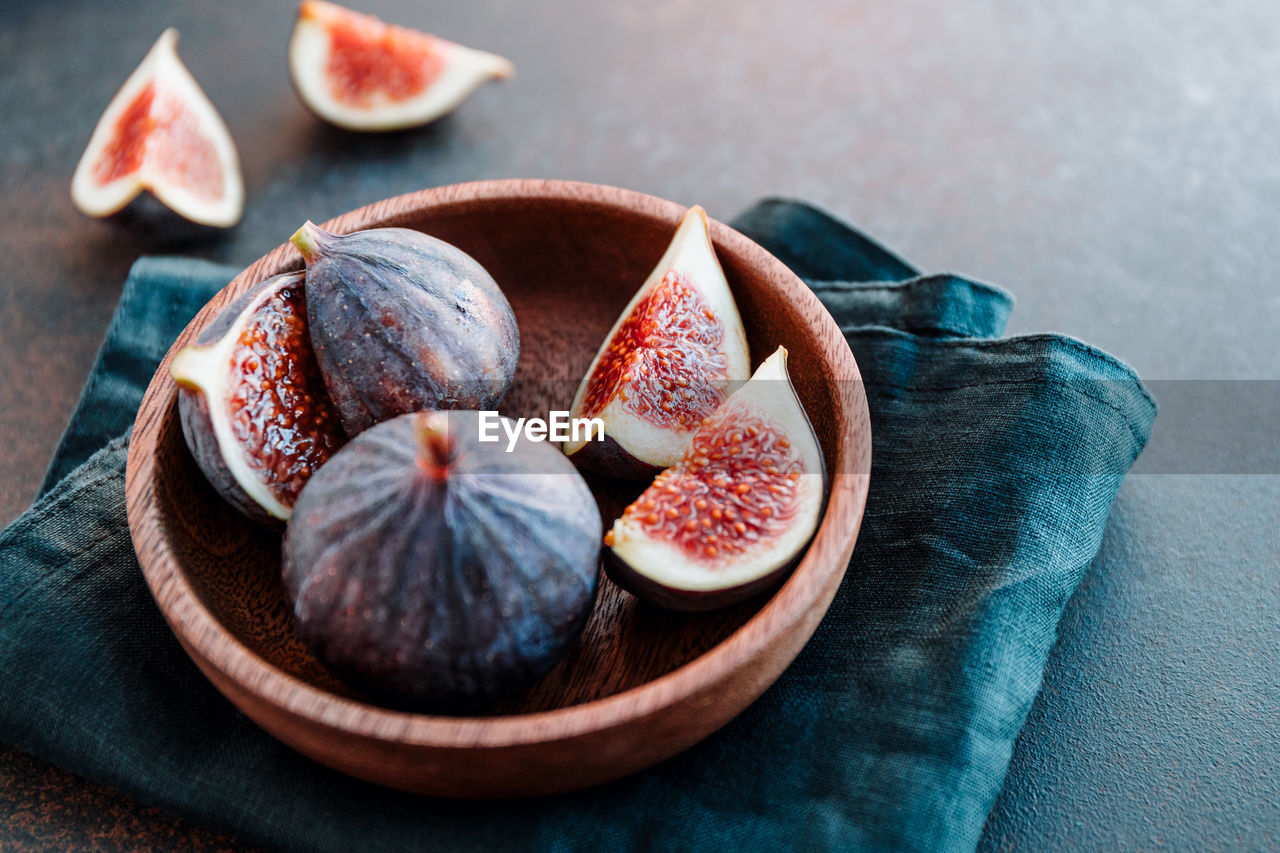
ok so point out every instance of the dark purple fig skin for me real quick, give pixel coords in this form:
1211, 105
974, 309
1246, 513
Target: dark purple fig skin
646, 589
197, 428
442, 594
607, 457
401, 322
193, 410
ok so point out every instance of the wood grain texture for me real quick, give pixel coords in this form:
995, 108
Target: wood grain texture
641, 684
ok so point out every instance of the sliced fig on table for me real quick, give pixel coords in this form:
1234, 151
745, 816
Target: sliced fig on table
731, 517
355, 71
161, 133
253, 406
402, 322
667, 363
435, 571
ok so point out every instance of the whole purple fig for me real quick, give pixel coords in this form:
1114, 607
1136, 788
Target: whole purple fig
436, 571
402, 322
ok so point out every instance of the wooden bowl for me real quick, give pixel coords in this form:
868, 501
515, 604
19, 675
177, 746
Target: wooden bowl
641, 684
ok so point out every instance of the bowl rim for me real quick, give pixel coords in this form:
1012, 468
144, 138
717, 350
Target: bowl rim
203, 635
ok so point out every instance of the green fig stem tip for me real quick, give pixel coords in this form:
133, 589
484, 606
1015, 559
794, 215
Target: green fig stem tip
309, 239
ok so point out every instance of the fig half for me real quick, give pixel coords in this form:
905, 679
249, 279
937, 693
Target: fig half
437, 571
355, 71
731, 517
667, 363
160, 133
402, 322
252, 403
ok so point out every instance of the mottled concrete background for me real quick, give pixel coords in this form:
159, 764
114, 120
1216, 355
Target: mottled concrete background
1116, 166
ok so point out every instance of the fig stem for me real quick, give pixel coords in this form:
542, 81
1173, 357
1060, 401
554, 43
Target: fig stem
310, 240
435, 446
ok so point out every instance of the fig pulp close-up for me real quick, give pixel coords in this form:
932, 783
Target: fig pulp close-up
401, 322
253, 406
730, 518
161, 133
435, 571
668, 362
357, 72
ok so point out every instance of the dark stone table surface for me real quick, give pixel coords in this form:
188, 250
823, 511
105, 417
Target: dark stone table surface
1116, 166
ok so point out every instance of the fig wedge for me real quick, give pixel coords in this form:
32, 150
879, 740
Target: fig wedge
161, 133
357, 72
732, 516
668, 362
252, 403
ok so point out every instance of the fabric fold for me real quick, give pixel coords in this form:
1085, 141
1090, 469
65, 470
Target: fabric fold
943, 305
818, 246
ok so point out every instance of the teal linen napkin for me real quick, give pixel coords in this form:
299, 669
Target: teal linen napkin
995, 463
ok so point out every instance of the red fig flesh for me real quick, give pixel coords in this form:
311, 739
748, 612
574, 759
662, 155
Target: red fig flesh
731, 516
252, 403
357, 72
668, 362
161, 133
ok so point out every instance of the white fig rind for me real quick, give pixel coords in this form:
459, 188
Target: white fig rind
691, 252
464, 70
162, 65
769, 392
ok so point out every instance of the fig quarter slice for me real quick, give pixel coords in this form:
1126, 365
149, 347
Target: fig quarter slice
357, 72
161, 133
252, 403
730, 518
668, 362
